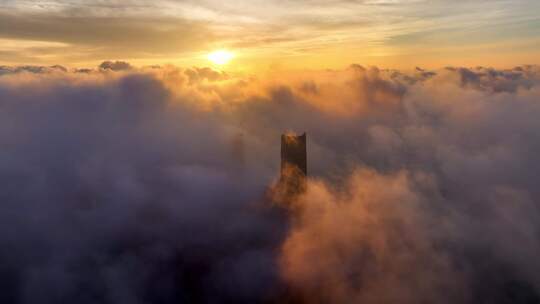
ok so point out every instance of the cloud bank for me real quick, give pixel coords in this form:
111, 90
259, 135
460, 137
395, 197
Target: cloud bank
150, 185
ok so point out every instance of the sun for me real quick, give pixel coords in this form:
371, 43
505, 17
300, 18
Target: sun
220, 57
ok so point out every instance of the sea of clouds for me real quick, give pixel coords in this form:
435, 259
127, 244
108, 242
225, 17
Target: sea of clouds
153, 185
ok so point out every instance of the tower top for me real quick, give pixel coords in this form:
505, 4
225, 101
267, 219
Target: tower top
292, 181
294, 153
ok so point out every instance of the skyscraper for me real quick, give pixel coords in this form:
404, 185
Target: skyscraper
293, 164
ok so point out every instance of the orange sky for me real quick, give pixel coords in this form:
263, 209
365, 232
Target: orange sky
272, 35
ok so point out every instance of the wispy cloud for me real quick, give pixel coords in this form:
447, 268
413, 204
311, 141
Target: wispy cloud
268, 29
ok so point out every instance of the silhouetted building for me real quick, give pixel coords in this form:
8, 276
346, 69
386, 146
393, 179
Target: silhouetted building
294, 152
293, 164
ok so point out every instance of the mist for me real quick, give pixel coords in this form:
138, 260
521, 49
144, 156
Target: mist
153, 185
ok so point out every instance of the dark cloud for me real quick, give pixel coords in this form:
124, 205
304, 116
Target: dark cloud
105, 36
196, 75
492, 79
150, 186
309, 87
114, 195
31, 69
115, 66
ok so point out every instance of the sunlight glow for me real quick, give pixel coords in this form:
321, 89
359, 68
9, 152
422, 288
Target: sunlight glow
220, 57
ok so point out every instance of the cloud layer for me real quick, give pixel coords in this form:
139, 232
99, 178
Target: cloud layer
126, 185
305, 34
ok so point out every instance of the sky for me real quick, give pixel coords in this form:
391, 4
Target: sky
140, 151
272, 35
